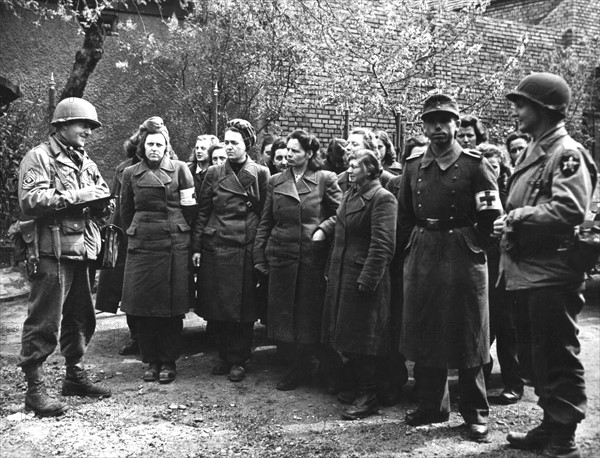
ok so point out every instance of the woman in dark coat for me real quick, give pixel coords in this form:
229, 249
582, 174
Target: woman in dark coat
157, 193
230, 204
357, 310
291, 248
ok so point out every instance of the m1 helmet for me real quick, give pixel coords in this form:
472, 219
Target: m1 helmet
546, 89
75, 109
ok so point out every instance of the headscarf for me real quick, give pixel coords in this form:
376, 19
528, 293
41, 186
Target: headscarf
245, 129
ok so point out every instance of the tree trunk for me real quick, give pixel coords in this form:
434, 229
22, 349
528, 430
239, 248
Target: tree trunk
85, 60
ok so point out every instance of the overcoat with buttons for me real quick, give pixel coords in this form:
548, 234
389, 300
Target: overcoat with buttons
446, 207
229, 211
365, 239
293, 212
158, 250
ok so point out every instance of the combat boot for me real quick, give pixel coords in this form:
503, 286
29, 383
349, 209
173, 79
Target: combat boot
36, 398
537, 438
562, 444
76, 383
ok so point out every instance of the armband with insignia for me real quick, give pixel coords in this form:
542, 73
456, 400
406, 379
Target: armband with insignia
488, 200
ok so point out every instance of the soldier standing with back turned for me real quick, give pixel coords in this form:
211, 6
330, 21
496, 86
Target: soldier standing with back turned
549, 194
58, 184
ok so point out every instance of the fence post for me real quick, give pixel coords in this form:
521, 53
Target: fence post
346, 123
51, 98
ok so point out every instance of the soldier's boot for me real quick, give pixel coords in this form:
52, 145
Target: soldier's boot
538, 438
36, 398
77, 383
562, 444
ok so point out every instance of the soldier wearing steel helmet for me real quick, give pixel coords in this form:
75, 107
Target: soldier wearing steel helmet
62, 191
549, 194
447, 202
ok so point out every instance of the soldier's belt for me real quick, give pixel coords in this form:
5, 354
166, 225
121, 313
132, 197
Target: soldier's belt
433, 224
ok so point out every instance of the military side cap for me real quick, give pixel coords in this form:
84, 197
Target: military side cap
439, 103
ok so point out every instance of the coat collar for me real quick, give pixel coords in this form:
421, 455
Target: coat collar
60, 152
284, 183
238, 184
538, 149
444, 160
357, 198
159, 177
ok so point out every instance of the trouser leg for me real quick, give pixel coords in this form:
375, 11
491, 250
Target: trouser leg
434, 396
365, 367
473, 404
147, 330
559, 374
169, 336
236, 342
49, 287
79, 318
506, 346
132, 325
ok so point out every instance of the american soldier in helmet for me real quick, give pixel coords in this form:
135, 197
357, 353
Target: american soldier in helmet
61, 189
549, 194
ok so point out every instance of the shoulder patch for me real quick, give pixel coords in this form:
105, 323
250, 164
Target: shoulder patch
416, 155
569, 164
473, 153
29, 179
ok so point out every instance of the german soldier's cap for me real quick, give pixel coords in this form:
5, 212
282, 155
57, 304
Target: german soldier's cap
439, 103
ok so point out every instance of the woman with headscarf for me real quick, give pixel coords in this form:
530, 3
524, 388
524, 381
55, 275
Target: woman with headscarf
356, 320
230, 204
156, 204
291, 249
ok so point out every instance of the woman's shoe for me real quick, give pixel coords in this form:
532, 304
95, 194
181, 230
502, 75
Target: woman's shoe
151, 374
168, 373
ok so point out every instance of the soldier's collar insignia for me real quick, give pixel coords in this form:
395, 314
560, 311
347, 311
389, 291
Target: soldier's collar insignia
569, 164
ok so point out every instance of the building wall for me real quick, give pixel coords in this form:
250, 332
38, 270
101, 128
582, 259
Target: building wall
527, 11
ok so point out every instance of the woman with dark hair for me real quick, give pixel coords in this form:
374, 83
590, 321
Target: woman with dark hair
357, 311
110, 281
291, 248
279, 155
471, 132
230, 205
387, 153
516, 143
265, 157
156, 204
334, 158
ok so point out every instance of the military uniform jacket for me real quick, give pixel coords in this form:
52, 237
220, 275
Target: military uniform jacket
158, 239
293, 212
549, 193
365, 239
441, 200
49, 181
229, 211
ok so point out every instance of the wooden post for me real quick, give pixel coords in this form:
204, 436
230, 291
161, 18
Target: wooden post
215, 110
399, 146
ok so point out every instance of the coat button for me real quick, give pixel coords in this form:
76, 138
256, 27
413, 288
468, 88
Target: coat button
419, 205
454, 178
450, 231
453, 192
422, 230
418, 193
419, 180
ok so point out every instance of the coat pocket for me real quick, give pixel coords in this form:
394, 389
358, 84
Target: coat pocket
70, 226
183, 227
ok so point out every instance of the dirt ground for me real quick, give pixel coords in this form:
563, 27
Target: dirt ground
202, 415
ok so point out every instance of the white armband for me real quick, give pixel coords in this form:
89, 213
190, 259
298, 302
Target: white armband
186, 197
488, 200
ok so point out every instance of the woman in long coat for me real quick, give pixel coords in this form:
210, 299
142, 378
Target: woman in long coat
293, 253
230, 204
157, 193
357, 310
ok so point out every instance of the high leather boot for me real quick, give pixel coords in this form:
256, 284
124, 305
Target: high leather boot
36, 398
364, 405
537, 438
76, 383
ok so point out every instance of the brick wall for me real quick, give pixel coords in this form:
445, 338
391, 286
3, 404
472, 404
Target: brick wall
527, 11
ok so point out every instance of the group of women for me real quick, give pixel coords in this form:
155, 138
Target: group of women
324, 254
